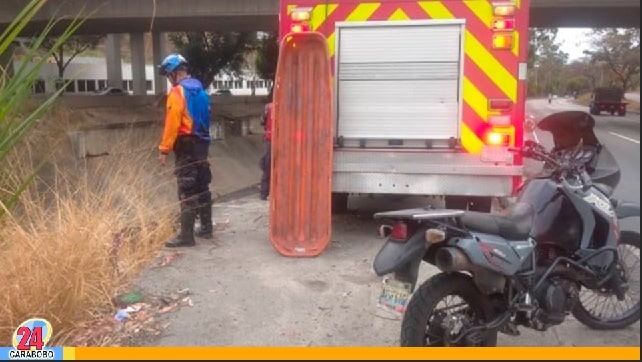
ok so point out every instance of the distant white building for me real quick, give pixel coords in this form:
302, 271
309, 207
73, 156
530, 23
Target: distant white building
89, 74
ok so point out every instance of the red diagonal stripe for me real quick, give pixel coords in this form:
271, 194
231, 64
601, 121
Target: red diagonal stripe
339, 14
474, 122
482, 80
384, 11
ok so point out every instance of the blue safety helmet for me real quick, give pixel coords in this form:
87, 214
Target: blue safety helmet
171, 63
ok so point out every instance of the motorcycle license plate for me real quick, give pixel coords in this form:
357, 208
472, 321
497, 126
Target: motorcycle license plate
394, 296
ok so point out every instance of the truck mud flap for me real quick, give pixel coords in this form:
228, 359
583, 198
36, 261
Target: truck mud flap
301, 177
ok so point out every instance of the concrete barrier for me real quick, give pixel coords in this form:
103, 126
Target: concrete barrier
76, 101
113, 125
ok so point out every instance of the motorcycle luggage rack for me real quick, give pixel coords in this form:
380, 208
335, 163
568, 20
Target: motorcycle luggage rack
420, 214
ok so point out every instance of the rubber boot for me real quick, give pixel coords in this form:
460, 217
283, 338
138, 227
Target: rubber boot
205, 216
186, 235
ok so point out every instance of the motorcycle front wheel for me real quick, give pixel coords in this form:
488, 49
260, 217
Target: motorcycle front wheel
600, 309
431, 314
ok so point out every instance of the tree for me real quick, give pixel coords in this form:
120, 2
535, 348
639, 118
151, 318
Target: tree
267, 57
579, 77
619, 51
210, 53
546, 60
71, 48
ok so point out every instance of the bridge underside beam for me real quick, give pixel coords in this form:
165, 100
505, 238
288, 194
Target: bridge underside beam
560, 17
141, 25
541, 16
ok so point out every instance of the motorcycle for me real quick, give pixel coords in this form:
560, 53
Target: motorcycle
551, 253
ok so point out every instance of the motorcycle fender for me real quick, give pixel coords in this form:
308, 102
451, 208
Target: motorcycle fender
394, 256
627, 209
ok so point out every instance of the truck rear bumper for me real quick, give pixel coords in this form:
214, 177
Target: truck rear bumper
420, 173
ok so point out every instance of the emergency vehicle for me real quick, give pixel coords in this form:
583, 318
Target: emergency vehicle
428, 95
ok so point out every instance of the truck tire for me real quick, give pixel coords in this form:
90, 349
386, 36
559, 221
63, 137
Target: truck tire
594, 111
339, 203
621, 113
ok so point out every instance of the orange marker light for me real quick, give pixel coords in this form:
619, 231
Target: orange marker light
502, 41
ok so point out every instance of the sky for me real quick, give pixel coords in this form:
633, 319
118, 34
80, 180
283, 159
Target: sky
573, 41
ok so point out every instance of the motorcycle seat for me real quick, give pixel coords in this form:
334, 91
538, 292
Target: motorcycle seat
514, 225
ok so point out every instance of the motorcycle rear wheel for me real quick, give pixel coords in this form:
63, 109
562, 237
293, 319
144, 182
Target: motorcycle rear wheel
421, 325
632, 315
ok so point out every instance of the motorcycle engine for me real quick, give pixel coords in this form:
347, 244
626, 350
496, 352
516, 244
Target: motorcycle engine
555, 298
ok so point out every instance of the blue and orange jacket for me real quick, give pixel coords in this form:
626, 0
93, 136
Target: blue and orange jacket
187, 113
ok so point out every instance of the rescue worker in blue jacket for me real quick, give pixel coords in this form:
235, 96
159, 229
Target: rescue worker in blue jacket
187, 134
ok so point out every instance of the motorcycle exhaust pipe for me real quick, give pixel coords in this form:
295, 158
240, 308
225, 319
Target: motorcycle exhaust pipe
451, 259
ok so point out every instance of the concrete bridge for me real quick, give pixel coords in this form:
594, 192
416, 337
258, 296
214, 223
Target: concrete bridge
132, 16
115, 17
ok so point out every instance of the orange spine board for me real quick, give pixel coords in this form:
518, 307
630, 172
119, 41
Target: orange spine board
302, 145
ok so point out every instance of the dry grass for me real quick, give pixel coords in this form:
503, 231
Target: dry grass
81, 232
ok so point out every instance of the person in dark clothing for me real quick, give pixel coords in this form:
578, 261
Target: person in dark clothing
266, 159
187, 133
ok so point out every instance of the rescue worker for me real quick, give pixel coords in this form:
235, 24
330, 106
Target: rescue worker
266, 159
187, 133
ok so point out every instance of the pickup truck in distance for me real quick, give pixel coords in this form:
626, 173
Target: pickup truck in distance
606, 99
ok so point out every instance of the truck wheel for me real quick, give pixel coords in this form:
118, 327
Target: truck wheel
621, 113
339, 203
594, 111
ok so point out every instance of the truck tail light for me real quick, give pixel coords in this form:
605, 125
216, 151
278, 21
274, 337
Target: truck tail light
301, 14
499, 104
494, 138
300, 20
504, 9
503, 41
503, 24
499, 121
298, 28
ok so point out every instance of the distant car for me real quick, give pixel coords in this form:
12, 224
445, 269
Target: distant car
110, 91
223, 92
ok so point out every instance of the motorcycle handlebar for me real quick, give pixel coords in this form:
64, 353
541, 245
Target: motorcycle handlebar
536, 151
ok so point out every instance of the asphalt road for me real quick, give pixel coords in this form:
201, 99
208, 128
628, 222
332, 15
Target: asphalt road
245, 294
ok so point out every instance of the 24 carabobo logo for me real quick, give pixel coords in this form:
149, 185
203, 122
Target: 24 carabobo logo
30, 339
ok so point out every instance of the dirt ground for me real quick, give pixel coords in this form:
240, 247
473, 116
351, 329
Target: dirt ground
236, 290
242, 293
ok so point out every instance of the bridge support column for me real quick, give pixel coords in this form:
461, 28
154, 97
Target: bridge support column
139, 78
159, 46
113, 58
